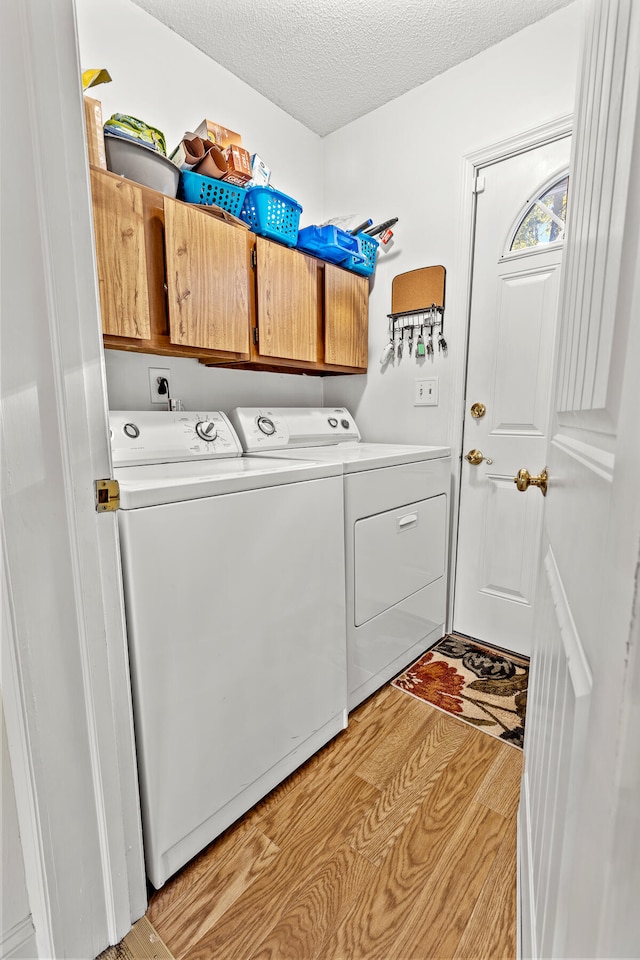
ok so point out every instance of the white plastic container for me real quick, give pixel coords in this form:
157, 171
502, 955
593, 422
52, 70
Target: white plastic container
142, 164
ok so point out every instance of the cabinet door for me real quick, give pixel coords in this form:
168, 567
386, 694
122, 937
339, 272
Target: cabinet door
118, 221
346, 317
208, 277
288, 303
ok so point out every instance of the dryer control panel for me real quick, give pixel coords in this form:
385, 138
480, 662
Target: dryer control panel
282, 428
141, 436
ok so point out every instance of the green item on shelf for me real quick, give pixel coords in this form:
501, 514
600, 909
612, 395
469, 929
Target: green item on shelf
133, 129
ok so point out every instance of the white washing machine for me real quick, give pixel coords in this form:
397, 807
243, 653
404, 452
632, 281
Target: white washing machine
234, 591
396, 505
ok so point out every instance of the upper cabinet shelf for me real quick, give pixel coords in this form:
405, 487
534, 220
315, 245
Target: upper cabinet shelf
176, 280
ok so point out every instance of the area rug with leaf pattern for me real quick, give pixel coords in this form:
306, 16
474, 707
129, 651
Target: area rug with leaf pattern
482, 685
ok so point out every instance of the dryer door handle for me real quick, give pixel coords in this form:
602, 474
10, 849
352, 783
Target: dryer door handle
408, 520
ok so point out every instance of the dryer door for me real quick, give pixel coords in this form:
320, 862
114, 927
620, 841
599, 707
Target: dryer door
397, 553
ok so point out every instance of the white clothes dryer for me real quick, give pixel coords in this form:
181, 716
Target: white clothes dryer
396, 507
234, 592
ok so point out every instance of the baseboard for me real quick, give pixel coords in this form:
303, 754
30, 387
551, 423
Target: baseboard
526, 926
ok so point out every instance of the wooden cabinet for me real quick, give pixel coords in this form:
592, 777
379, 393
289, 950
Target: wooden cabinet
177, 280
346, 317
119, 225
173, 279
311, 317
287, 302
208, 278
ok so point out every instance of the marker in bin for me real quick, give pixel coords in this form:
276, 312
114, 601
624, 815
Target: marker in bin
381, 227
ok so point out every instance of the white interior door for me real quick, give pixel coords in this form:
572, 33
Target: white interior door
65, 678
511, 347
579, 830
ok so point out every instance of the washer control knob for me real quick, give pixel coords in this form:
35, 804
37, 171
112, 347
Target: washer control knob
267, 426
206, 430
131, 431
345, 424
333, 422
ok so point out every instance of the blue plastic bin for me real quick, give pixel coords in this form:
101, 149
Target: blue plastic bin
272, 214
330, 243
207, 191
369, 252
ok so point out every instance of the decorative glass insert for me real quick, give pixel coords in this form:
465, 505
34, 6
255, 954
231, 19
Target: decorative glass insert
544, 219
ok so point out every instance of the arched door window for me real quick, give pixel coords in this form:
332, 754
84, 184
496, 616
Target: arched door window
543, 219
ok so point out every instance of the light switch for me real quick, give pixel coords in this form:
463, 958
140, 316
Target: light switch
426, 394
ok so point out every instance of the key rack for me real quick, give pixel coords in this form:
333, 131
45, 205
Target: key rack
417, 304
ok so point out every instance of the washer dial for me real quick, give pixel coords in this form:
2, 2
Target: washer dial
266, 425
206, 430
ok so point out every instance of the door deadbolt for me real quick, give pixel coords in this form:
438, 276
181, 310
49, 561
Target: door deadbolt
476, 457
478, 410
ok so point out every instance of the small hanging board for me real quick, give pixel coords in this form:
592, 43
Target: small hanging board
418, 290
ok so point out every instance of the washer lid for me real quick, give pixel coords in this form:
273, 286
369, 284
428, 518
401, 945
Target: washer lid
162, 483
357, 456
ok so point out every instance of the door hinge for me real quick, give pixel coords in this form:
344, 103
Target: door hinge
255, 336
478, 185
107, 495
254, 258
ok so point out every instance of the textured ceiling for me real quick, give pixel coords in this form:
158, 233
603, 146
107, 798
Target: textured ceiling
327, 62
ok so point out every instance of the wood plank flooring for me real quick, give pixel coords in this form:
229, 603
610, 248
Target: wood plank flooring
395, 842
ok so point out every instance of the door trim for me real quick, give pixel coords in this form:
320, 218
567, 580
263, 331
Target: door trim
68, 673
472, 163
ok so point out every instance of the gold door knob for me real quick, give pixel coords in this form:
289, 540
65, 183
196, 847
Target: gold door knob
524, 480
475, 457
478, 410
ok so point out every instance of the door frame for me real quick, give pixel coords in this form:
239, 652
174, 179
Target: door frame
65, 679
472, 163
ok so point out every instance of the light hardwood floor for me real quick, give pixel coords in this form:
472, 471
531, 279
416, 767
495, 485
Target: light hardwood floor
396, 842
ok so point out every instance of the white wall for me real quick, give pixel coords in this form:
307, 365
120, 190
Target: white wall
160, 78
406, 160
204, 388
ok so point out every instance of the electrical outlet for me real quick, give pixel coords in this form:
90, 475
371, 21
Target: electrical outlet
426, 393
154, 374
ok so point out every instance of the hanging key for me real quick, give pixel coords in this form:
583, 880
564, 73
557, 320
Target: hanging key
420, 350
411, 340
389, 351
442, 343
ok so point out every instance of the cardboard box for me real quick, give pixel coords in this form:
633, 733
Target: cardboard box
260, 172
221, 136
224, 215
239, 163
95, 136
